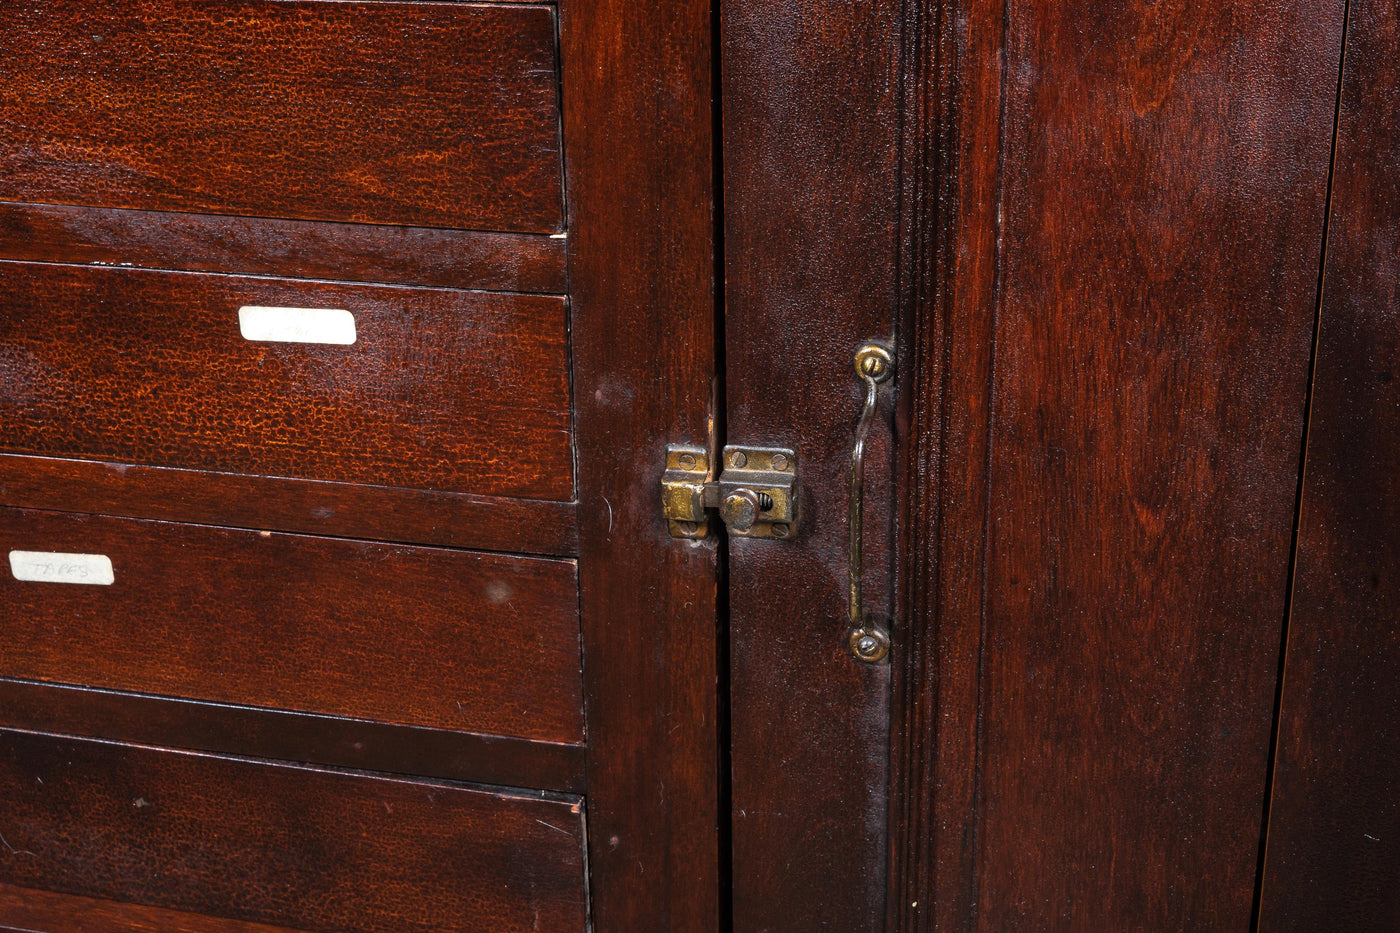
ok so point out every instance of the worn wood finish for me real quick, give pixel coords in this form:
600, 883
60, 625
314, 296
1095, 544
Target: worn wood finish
1333, 853
24, 910
277, 734
637, 111
298, 623
303, 848
290, 248
413, 516
426, 114
447, 390
1162, 195
810, 116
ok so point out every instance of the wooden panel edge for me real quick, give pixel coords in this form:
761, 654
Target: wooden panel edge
275, 735
372, 254
347, 510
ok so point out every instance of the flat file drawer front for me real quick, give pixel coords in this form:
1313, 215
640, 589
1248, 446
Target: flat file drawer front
453, 640
428, 114
301, 848
447, 390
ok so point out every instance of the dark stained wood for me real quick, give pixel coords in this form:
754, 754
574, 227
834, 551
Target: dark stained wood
810, 103
426, 114
24, 910
952, 109
1332, 860
303, 848
1163, 184
637, 111
292, 248
287, 736
413, 516
417, 636
448, 390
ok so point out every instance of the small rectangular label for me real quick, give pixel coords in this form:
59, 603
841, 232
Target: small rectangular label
296, 325
49, 567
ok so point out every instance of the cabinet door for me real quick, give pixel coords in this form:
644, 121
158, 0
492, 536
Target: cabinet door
340, 347
1120, 301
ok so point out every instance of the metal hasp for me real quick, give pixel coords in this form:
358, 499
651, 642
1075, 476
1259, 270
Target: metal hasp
869, 642
755, 494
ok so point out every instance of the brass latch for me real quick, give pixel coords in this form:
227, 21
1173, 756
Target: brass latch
756, 493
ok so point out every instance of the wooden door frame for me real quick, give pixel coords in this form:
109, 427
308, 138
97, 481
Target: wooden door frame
951, 73
640, 175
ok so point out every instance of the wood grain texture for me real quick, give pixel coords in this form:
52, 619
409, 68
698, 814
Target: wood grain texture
512, 262
949, 234
286, 736
810, 116
1333, 854
417, 636
426, 114
345, 510
24, 910
446, 390
1164, 173
319, 851
637, 112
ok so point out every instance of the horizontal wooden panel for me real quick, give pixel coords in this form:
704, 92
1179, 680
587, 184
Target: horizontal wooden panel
412, 516
277, 734
427, 114
25, 910
303, 848
514, 262
448, 390
419, 636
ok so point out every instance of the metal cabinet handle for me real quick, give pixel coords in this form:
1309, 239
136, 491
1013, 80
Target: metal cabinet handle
874, 365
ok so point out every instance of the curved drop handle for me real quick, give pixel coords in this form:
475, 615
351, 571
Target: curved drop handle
874, 364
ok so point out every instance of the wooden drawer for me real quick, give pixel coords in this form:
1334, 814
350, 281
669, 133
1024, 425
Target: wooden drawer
442, 389
291, 847
427, 637
429, 114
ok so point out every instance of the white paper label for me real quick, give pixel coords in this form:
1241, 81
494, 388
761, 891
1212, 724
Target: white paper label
296, 325
47, 567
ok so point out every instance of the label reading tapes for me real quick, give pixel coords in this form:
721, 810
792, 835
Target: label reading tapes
50, 567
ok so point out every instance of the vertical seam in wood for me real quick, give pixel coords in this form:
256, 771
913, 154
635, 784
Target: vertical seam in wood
1270, 772
987, 531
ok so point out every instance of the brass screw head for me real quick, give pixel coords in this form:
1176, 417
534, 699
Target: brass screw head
780, 530
869, 644
739, 459
874, 361
688, 528
780, 462
687, 461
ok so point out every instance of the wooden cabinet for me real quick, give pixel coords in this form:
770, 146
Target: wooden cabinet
342, 345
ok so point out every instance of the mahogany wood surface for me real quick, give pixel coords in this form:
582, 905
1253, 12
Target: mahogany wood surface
1161, 200
513, 262
811, 124
426, 114
447, 390
314, 850
289, 736
413, 516
25, 910
637, 86
952, 80
418, 636
1333, 851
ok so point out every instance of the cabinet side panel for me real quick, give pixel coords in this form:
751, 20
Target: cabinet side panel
1333, 857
